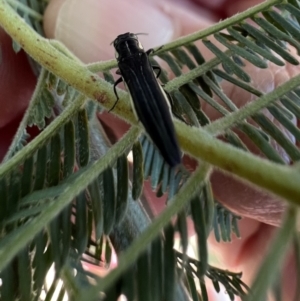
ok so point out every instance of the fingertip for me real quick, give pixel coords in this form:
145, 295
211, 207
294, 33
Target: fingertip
88, 27
50, 17
187, 18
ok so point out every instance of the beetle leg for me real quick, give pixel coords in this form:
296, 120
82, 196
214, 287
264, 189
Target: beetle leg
171, 102
151, 50
154, 67
115, 91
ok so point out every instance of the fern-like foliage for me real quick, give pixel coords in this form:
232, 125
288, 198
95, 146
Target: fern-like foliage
67, 198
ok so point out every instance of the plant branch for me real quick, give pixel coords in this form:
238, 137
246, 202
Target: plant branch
193, 185
13, 243
196, 142
265, 174
38, 141
102, 66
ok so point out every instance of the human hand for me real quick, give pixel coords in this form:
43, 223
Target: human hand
88, 27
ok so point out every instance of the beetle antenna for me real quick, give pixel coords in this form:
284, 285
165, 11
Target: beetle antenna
141, 34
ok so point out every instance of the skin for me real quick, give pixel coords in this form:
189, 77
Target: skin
262, 212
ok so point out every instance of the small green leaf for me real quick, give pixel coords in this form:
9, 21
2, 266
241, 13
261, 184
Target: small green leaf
53, 174
108, 253
128, 284
183, 232
219, 92
166, 177
259, 140
199, 225
109, 201
192, 288
234, 140
83, 138
226, 61
276, 33
291, 105
169, 264
52, 81
269, 43
156, 264
69, 149
207, 198
9, 286
156, 171
293, 8
281, 117
137, 177
66, 229
278, 136
286, 24
148, 160
191, 96
171, 62
97, 208
27, 179
13, 193
254, 59
182, 56
41, 168
144, 288
61, 87
194, 50
3, 200
184, 108
254, 47
25, 275
216, 285
203, 290
41, 261
122, 188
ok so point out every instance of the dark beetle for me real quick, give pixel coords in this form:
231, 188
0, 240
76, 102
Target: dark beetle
150, 102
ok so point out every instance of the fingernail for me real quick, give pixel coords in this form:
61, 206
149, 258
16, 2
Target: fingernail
88, 27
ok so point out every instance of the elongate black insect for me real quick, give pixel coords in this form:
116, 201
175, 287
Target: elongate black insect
150, 102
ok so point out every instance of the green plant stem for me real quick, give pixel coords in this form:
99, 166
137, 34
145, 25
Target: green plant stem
219, 26
193, 185
185, 78
13, 243
279, 179
102, 66
38, 141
